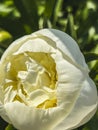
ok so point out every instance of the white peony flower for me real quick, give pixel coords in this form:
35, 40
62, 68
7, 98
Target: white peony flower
44, 83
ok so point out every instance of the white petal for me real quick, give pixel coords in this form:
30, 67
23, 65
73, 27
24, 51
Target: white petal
29, 118
84, 108
9, 94
3, 114
44, 41
1, 96
73, 91
65, 43
70, 79
37, 97
34, 45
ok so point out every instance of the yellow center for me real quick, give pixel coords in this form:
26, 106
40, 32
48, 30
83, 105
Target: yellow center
31, 79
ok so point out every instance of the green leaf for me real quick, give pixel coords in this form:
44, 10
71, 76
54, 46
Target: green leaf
5, 38
94, 71
70, 26
5, 10
29, 13
1, 51
57, 10
49, 6
48, 13
8, 9
91, 56
10, 127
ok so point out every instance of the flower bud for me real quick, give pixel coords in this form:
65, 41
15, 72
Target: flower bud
44, 83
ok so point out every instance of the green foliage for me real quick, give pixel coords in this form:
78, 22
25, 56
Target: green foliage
77, 18
5, 38
10, 127
91, 56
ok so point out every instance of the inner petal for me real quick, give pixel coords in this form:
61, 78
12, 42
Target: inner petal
36, 81
37, 97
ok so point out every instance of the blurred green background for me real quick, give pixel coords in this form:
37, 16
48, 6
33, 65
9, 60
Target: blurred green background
78, 18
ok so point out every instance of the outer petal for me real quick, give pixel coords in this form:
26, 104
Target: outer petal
73, 90
84, 108
3, 114
66, 44
29, 118
56, 39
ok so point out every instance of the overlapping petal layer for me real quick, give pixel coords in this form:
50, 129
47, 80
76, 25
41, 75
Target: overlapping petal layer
44, 83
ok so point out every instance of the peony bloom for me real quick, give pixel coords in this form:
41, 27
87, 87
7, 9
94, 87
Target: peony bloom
44, 83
